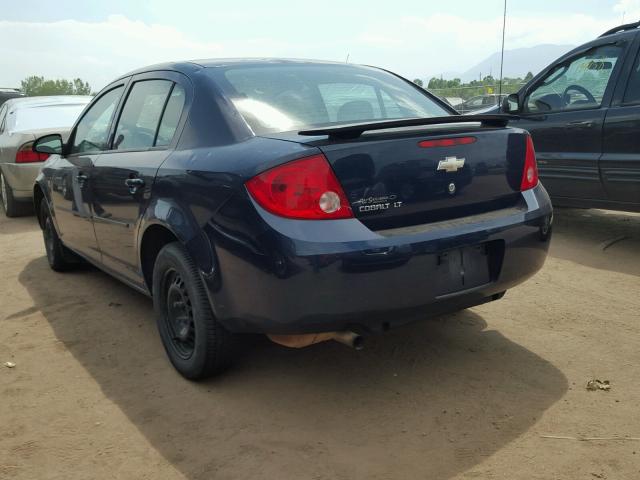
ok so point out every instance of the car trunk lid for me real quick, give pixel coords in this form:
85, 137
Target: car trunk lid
419, 175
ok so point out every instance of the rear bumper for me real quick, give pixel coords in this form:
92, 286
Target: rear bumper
21, 178
314, 276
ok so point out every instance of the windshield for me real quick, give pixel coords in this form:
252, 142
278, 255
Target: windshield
45, 116
279, 98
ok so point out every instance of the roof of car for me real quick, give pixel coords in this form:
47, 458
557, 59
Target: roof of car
45, 101
193, 65
223, 62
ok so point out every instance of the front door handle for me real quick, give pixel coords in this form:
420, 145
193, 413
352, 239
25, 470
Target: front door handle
134, 184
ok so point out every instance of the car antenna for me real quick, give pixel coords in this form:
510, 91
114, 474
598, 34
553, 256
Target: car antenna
504, 28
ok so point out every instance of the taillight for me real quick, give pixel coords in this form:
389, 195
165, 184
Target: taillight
25, 154
530, 172
304, 189
447, 142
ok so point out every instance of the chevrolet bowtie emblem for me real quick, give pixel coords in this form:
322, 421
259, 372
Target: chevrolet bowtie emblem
451, 164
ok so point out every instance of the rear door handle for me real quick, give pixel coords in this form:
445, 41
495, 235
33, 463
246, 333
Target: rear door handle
581, 124
134, 184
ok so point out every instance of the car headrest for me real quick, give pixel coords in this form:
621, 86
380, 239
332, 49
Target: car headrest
355, 110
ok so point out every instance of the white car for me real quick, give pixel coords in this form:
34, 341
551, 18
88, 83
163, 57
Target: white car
22, 120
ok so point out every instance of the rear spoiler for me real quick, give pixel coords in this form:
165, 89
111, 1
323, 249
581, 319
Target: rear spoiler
354, 130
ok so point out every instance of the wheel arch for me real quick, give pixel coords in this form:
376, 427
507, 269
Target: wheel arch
164, 223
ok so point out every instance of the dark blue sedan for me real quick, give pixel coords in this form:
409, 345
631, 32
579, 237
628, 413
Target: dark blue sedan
304, 200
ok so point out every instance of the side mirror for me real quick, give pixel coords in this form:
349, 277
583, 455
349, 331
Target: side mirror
49, 144
511, 103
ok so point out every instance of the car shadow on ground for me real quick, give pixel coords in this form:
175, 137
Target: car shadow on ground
428, 400
602, 239
11, 226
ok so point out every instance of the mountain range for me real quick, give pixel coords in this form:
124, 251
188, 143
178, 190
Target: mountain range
517, 62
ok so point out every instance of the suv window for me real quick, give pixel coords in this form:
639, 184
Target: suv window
578, 84
171, 116
141, 115
632, 95
92, 132
3, 114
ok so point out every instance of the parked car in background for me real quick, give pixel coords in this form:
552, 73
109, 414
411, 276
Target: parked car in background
21, 121
304, 200
453, 101
479, 102
583, 112
7, 93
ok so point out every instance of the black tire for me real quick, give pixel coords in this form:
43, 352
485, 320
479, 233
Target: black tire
12, 207
60, 258
196, 343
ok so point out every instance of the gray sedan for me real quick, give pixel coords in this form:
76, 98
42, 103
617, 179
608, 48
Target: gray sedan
22, 120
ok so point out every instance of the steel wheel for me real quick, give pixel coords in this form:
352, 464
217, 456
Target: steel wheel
179, 315
196, 343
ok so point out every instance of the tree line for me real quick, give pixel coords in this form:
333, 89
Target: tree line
35, 85
488, 85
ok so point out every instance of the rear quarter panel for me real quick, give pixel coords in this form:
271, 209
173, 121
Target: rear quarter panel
194, 185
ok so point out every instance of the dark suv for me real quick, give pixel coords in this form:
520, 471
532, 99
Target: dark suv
7, 93
583, 112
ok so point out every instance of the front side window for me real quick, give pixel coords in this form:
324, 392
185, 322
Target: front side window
279, 98
577, 84
141, 115
92, 133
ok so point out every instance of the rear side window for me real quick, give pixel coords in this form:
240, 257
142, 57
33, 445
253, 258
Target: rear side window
141, 115
171, 117
92, 133
277, 98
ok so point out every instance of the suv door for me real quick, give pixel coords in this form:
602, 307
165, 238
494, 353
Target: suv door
564, 111
70, 193
144, 136
620, 161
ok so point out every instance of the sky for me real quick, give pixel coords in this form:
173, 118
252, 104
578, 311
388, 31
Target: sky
98, 41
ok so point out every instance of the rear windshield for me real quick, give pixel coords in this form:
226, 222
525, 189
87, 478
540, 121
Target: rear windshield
46, 116
280, 98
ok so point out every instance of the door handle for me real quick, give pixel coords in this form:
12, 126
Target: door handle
134, 184
581, 124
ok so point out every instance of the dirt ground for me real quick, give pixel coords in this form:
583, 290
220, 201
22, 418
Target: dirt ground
470, 395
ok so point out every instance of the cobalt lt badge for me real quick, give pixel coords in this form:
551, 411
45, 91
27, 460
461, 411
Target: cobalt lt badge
452, 188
